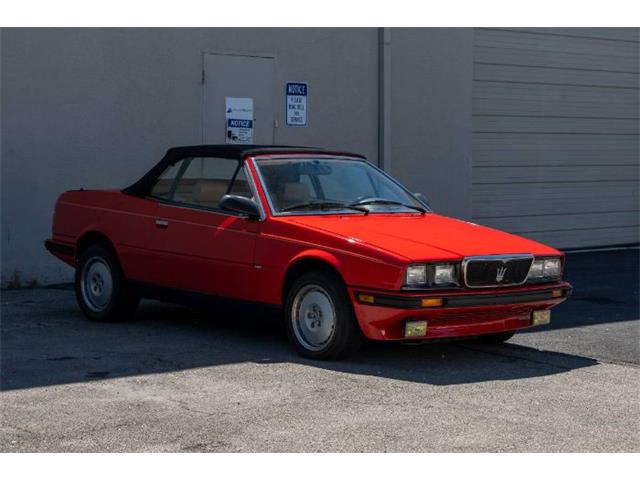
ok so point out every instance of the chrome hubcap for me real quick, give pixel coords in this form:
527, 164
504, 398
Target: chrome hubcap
96, 284
313, 317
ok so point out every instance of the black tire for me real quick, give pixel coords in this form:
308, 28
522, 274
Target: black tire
496, 338
121, 304
346, 337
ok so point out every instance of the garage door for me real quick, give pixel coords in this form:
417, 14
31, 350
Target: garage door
555, 134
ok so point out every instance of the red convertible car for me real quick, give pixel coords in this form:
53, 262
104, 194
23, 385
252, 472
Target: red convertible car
342, 248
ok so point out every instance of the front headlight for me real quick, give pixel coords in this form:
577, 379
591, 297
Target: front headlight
416, 275
444, 274
432, 275
545, 269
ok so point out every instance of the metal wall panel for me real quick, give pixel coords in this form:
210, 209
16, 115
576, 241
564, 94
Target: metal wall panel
491, 149
554, 174
526, 74
555, 134
628, 34
553, 125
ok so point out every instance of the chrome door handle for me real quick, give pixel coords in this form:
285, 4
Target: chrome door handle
162, 223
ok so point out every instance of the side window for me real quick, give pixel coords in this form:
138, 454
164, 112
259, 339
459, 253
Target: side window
205, 181
164, 184
201, 181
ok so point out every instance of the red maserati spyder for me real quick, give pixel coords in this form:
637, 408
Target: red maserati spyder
344, 250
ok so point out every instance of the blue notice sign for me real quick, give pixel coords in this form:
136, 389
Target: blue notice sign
297, 89
296, 105
236, 123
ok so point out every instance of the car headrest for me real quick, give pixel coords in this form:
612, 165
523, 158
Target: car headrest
209, 191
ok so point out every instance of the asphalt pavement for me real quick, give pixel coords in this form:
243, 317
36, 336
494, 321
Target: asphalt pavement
182, 380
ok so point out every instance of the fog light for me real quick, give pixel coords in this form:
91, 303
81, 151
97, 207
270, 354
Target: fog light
415, 328
540, 317
431, 302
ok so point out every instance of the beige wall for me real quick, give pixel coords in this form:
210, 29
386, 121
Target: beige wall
95, 108
431, 115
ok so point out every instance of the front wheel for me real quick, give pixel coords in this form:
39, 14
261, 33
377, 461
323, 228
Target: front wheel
320, 319
101, 288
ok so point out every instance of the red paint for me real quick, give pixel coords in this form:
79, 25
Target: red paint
381, 323
226, 255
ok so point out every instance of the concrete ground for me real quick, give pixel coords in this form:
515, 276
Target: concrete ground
179, 380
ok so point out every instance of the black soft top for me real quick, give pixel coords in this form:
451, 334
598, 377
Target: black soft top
238, 152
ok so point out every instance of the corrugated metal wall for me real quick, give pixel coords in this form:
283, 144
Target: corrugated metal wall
555, 134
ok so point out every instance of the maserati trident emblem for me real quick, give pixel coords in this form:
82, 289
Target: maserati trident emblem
500, 273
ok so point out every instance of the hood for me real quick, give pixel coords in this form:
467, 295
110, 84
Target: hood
423, 237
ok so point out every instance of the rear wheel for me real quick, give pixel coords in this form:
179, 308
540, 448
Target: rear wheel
320, 319
496, 338
101, 289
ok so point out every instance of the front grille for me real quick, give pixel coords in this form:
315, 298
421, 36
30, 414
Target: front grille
496, 271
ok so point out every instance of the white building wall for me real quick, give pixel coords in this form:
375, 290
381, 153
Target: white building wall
555, 134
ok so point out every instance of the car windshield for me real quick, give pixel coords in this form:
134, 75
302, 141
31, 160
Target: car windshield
303, 185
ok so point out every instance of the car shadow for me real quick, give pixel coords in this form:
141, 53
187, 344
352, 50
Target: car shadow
605, 289
53, 344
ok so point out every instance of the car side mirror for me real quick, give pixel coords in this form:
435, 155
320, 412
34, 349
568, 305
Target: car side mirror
421, 198
239, 204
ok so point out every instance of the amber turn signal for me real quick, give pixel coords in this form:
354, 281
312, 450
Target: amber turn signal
366, 298
431, 302
557, 293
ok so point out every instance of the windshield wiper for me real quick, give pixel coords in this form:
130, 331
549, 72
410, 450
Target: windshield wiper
384, 201
322, 206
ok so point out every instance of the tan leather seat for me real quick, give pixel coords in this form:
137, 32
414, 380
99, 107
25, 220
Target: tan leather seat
209, 192
162, 188
184, 190
204, 192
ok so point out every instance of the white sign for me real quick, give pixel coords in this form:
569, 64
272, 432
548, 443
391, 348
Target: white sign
296, 104
239, 120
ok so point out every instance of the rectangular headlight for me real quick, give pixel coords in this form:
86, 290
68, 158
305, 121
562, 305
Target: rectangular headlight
432, 275
416, 275
536, 270
444, 274
545, 269
552, 268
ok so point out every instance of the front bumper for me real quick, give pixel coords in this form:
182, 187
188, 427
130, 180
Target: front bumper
382, 315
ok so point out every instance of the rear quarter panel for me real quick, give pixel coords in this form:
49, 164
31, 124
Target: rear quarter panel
125, 220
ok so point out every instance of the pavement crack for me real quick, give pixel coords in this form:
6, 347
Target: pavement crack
192, 410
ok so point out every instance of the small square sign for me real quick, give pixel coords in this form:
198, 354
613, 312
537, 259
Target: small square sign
297, 94
239, 120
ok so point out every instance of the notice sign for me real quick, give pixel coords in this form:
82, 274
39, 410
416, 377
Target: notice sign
297, 104
239, 120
